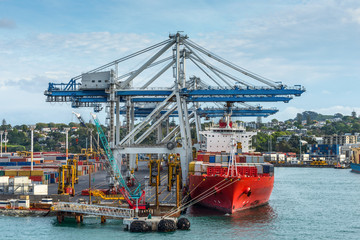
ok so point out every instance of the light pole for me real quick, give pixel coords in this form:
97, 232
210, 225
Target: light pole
1, 133
32, 127
5, 140
91, 149
300, 149
67, 143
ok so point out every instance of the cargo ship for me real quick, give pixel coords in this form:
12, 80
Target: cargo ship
355, 160
226, 176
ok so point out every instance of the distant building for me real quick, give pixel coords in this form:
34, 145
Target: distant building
46, 130
319, 140
283, 138
335, 120
340, 139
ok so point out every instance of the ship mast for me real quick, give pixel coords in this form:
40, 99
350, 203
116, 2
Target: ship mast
232, 170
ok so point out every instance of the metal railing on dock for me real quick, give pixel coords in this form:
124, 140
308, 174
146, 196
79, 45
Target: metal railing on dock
94, 210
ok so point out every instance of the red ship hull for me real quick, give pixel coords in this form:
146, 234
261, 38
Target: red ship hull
231, 194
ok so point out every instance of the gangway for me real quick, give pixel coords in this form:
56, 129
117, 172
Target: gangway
98, 210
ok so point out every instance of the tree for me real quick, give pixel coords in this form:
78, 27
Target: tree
353, 114
299, 118
275, 121
4, 122
308, 120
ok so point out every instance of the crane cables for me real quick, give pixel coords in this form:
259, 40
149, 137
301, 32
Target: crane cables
190, 44
127, 57
202, 196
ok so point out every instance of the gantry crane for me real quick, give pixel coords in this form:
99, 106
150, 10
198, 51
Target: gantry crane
106, 85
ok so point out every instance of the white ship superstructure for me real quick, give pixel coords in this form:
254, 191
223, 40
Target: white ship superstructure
218, 138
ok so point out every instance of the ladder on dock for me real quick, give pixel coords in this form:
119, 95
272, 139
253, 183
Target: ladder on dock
94, 210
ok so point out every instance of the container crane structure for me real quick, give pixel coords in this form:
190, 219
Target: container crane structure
132, 90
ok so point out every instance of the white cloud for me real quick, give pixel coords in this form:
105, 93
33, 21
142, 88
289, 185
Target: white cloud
354, 15
345, 110
325, 92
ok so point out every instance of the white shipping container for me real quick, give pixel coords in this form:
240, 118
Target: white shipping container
249, 159
19, 180
35, 159
259, 169
49, 157
4, 160
24, 203
197, 167
224, 158
4, 204
204, 168
4, 180
218, 158
40, 189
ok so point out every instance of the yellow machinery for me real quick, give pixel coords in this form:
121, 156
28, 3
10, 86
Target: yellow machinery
67, 180
89, 153
23, 153
74, 162
102, 195
154, 169
154, 179
318, 163
173, 170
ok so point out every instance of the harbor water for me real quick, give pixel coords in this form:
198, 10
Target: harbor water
306, 203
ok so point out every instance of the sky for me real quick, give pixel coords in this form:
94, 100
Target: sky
310, 43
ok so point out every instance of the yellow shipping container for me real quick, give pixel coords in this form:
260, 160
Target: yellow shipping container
79, 173
192, 167
37, 173
23, 173
10, 173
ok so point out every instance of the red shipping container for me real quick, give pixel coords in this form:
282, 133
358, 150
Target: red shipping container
18, 160
206, 158
200, 157
36, 178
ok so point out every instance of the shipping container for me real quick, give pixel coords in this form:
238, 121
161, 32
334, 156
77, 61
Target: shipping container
198, 166
192, 167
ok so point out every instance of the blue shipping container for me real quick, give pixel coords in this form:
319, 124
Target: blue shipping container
212, 159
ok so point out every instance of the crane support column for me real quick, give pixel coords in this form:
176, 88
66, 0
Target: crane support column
112, 109
117, 132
